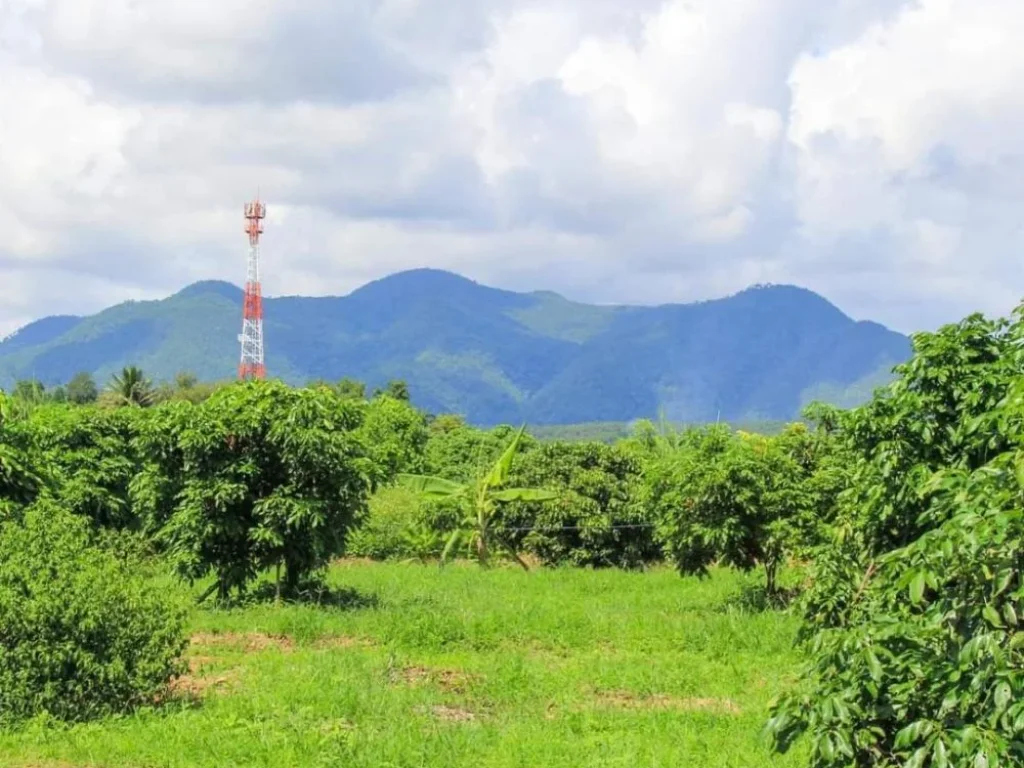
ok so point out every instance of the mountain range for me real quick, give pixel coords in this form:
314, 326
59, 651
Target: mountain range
494, 355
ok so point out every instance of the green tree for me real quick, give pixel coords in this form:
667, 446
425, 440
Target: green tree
259, 476
131, 387
19, 480
88, 457
913, 623
396, 388
734, 498
350, 389
82, 389
185, 380
479, 501
394, 435
597, 518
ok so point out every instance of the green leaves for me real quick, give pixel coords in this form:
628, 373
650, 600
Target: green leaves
259, 475
524, 494
434, 487
923, 643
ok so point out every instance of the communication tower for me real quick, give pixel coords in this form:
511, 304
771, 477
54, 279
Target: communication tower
251, 337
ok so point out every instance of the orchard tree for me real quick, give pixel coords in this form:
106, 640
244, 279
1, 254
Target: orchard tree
395, 435
914, 622
82, 389
88, 457
19, 481
350, 389
734, 498
597, 517
259, 476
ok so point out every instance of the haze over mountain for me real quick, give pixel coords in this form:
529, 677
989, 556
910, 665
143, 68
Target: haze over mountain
495, 355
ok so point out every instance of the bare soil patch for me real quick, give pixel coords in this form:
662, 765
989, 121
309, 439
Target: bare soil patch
342, 641
627, 700
450, 680
448, 714
250, 642
196, 682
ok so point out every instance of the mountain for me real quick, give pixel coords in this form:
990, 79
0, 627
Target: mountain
495, 355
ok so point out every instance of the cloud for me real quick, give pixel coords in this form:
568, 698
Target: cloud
650, 151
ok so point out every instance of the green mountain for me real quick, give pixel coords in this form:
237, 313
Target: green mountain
494, 355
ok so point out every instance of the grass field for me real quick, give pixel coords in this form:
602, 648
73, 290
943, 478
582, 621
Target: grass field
461, 668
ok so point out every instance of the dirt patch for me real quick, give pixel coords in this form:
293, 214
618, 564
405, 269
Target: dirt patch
450, 680
342, 641
196, 683
627, 700
448, 714
250, 642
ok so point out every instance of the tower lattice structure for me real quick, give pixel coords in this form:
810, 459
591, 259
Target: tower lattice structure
251, 337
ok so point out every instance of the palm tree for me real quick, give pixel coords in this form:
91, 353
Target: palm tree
132, 387
478, 500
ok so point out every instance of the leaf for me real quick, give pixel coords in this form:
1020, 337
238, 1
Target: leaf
498, 474
917, 587
524, 494
429, 485
991, 615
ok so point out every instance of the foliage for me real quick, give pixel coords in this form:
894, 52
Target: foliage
913, 623
82, 389
597, 517
735, 497
131, 387
88, 457
395, 388
479, 501
81, 635
399, 526
258, 476
395, 435
350, 389
19, 481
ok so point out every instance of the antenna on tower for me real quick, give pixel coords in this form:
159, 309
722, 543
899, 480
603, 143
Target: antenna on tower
251, 337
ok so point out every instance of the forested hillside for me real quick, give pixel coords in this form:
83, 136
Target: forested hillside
492, 355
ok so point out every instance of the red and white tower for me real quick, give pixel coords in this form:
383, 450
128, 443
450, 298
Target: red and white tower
251, 337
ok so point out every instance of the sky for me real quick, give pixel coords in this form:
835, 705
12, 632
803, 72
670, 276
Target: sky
615, 151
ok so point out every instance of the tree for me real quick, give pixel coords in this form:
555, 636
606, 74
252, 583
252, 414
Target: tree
395, 435
350, 389
913, 623
258, 476
84, 635
479, 501
396, 388
29, 391
185, 380
597, 518
19, 480
82, 389
734, 498
132, 387
88, 457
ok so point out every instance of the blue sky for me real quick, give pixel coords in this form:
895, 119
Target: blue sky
617, 151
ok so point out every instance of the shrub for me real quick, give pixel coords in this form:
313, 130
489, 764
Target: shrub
597, 517
400, 525
394, 435
81, 635
258, 476
735, 498
88, 456
913, 625
19, 482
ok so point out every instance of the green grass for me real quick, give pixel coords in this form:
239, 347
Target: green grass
463, 668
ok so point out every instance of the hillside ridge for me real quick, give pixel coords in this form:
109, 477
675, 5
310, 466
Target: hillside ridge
495, 355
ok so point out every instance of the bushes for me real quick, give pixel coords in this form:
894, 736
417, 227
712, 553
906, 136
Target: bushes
81, 635
88, 457
917, 657
598, 517
259, 476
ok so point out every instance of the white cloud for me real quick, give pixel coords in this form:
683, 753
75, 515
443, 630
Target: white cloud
642, 151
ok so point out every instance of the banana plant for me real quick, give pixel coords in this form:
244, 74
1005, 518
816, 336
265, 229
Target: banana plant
479, 500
